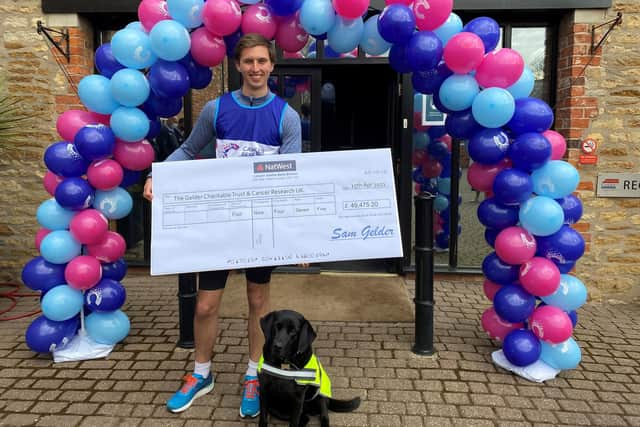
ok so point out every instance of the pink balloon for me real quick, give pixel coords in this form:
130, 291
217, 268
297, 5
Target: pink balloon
89, 226
551, 324
42, 232
221, 17
490, 289
136, 156
447, 140
496, 327
405, 2
430, 14
290, 35
351, 9
558, 144
71, 121
481, 177
500, 68
539, 276
431, 168
207, 50
418, 157
515, 245
292, 55
83, 272
109, 249
258, 18
105, 174
51, 181
150, 12
463, 52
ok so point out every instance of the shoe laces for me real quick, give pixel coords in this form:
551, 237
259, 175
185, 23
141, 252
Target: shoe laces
251, 389
189, 382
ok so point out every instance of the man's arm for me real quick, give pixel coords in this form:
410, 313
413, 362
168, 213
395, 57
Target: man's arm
291, 132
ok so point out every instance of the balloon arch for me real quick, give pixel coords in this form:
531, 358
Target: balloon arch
485, 92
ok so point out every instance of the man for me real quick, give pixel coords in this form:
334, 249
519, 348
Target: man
247, 122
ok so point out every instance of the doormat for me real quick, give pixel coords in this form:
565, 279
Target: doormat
328, 297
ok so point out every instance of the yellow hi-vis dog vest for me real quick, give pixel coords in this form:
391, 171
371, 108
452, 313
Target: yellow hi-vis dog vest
312, 374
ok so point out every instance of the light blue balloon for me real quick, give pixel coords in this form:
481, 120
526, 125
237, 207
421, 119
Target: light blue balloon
136, 25
524, 86
565, 355
95, 93
420, 140
417, 102
372, 42
444, 186
541, 216
61, 303
130, 87
440, 203
170, 40
555, 179
345, 35
114, 204
570, 295
493, 107
132, 48
129, 124
186, 12
109, 327
458, 91
451, 27
59, 247
53, 216
317, 16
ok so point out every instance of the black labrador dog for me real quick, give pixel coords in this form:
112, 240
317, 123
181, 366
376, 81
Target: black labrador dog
293, 384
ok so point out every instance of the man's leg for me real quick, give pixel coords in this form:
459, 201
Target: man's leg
205, 324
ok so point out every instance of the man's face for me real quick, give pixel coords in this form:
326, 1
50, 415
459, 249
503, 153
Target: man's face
255, 67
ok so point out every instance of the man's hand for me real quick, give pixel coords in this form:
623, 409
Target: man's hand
303, 265
147, 193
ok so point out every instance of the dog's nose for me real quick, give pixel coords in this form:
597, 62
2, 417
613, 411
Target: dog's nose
277, 347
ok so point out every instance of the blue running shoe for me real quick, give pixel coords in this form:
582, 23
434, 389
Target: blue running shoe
250, 406
194, 386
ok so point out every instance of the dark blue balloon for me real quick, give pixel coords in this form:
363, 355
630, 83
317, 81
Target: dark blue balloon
129, 178
490, 235
115, 270
231, 41
424, 51
461, 124
418, 176
564, 267
75, 194
572, 208
489, 146
564, 245
396, 23
485, 28
169, 79
330, 53
430, 186
439, 106
573, 315
106, 63
442, 239
95, 142
498, 271
530, 151
322, 36
437, 150
513, 303
107, 295
521, 347
284, 8
495, 215
512, 187
45, 336
63, 158
398, 58
531, 115
41, 275
163, 107
199, 75
429, 81
154, 129
436, 132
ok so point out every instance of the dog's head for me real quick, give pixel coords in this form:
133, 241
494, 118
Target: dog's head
288, 337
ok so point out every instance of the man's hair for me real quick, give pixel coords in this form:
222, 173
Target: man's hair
252, 40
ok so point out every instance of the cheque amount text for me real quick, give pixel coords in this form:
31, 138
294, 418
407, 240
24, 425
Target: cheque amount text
365, 204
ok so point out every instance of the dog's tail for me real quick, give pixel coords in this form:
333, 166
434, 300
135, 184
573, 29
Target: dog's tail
337, 405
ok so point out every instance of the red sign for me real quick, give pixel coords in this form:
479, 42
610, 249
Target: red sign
589, 146
588, 159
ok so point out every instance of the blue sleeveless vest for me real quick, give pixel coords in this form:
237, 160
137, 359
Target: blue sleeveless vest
243, 130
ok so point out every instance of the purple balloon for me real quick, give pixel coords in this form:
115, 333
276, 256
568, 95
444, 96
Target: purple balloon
284, 7
231, 41
490, 235
396, 23
199, 76
398, 58
107, 295
114, 270
63, 158
521, 347
169, 79
162, 107
75, 194
512, 187
106, 63
487, 29
154, 129
572, 208
41, 275
489, 146
531, 115
45, 336
424, 51
513, 303
530, 151
498, 271
429, 81
459, 124
562, 246
95, 142
494, 215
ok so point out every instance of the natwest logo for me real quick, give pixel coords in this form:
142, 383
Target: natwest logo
610, 183
276, 166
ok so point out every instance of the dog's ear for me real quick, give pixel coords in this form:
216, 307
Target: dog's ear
306, 336
266, 323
